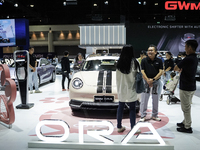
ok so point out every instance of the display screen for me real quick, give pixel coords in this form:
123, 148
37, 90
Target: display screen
167, 37
7, 32
13, 32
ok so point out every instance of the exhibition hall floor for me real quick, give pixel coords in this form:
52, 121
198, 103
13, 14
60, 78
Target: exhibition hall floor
53, 103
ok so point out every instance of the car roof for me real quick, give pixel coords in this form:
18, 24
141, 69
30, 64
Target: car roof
103, 56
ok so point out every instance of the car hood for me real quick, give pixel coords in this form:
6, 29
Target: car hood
94, 78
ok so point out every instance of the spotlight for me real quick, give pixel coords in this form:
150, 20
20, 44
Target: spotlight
31, 5
64, 3
139, 3
106, 2
144, 3
16, 5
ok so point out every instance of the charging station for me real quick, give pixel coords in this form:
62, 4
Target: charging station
22, 74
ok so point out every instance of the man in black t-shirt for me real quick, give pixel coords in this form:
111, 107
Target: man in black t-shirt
187, 84
152, 68
33, 77
65, 64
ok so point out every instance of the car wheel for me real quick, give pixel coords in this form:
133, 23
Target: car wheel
53, 75
38, 81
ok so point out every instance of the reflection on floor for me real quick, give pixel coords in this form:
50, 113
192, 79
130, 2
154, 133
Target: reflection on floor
53, 103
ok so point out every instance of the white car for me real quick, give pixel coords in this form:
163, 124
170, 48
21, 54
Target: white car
94, 86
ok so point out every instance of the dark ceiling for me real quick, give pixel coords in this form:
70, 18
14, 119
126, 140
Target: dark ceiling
83, 11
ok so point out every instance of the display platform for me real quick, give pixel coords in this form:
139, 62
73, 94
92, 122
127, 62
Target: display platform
53, 103
100, 146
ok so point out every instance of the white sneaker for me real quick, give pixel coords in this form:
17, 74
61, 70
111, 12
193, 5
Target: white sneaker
138, 131
156, 118
31, 92
142, 119
38, 91
122, 129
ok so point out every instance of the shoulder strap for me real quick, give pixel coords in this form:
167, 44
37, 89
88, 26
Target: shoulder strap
137, 65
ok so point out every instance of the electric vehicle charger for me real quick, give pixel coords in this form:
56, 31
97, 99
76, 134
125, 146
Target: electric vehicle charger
22, 74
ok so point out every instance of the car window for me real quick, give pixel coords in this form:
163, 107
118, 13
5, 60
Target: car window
97, 65
44, 61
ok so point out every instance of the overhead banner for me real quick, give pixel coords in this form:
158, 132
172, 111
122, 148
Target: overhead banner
169, 37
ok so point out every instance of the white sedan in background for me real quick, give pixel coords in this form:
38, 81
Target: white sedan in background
94, 86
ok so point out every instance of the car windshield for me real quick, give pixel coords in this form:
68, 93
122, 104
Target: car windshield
97, 65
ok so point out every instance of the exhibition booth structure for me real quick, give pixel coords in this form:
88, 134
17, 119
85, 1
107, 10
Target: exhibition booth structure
7, 97
102, 38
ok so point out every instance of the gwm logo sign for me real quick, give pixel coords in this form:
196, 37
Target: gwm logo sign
174, 5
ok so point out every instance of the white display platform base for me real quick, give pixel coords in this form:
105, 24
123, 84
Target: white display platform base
99, 146
9, 126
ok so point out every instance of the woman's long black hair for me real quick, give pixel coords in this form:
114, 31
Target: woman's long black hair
126, 57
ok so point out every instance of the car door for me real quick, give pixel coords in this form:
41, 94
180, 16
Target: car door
45, 72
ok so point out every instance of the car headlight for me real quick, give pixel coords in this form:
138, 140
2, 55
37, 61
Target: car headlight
77, 83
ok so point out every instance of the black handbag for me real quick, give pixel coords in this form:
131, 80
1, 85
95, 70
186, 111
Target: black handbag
65, 73
139, 83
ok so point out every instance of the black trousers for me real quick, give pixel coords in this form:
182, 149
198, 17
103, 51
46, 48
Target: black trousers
64, 75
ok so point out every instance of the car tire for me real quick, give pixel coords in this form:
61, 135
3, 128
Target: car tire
53, 79
38, 81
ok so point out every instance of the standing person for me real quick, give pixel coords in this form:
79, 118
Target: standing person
78, 61
160, 56
168, 66
33, 77
187, 84
65, 70
55, 59
142, 55
126, 70
152, 68
183, 55
178, 59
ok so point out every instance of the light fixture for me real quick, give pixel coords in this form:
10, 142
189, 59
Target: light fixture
41, 34
95, 4
8, 16
62, 36
144, 3
156, 4
32, 5
69, 35
106, 2
139, 3
64, 3
16, 5
33, 37
77, 35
